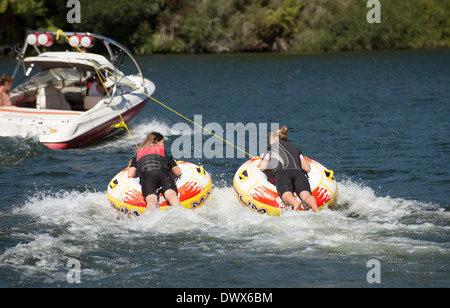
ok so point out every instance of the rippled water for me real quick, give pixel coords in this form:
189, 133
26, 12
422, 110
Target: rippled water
379, 120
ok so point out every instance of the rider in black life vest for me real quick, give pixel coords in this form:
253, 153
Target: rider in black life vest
288, 163
156, 168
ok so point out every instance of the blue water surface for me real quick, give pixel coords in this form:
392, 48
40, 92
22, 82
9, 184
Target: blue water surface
379, 120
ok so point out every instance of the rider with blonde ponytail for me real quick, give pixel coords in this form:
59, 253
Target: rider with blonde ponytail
288, 163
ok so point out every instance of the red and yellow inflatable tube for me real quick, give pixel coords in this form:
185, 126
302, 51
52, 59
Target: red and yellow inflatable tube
194, 189
254, 190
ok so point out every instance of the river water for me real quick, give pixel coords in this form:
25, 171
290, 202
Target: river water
378, 119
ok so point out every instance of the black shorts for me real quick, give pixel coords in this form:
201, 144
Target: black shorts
156, 182
292, 180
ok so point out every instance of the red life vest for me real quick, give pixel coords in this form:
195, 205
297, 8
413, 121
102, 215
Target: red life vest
152, 158
151, 149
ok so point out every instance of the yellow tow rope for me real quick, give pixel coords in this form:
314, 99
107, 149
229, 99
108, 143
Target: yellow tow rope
123, 124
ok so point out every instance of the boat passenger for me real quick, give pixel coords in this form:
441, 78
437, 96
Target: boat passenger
288, 163
5, 85
96, 88
156, 167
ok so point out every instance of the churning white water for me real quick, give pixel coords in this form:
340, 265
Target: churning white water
55, 227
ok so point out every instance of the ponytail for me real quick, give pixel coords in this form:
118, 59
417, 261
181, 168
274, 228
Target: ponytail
283, 133
280, 133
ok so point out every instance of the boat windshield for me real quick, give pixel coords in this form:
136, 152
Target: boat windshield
57, 78
125, 85
74, 85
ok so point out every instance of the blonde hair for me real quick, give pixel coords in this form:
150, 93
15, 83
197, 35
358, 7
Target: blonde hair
280, 133
151, 139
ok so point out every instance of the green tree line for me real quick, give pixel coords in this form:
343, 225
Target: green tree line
215, 26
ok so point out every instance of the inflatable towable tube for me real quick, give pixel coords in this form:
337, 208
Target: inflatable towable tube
194, 189
255, 191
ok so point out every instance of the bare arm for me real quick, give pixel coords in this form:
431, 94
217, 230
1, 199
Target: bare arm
5, 99
265, 158
306, 166
176, 171
263, 165
132, 172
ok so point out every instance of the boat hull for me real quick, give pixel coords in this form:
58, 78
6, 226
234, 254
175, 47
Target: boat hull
98, 132
67, 129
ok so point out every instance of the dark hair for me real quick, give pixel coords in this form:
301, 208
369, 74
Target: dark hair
6, 78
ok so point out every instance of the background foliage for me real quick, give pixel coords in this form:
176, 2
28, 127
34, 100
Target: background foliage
194, 26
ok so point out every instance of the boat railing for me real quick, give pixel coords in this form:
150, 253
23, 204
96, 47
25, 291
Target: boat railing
116, 59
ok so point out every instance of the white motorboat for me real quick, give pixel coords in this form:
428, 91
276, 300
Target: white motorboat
60, 104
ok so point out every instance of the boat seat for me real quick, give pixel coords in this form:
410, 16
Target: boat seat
91, 101
52, 98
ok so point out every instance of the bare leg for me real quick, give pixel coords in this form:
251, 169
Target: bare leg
172, 197
289, 199
309, 200
152, 201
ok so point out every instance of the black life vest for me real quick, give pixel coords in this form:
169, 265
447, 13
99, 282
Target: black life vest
284, 155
